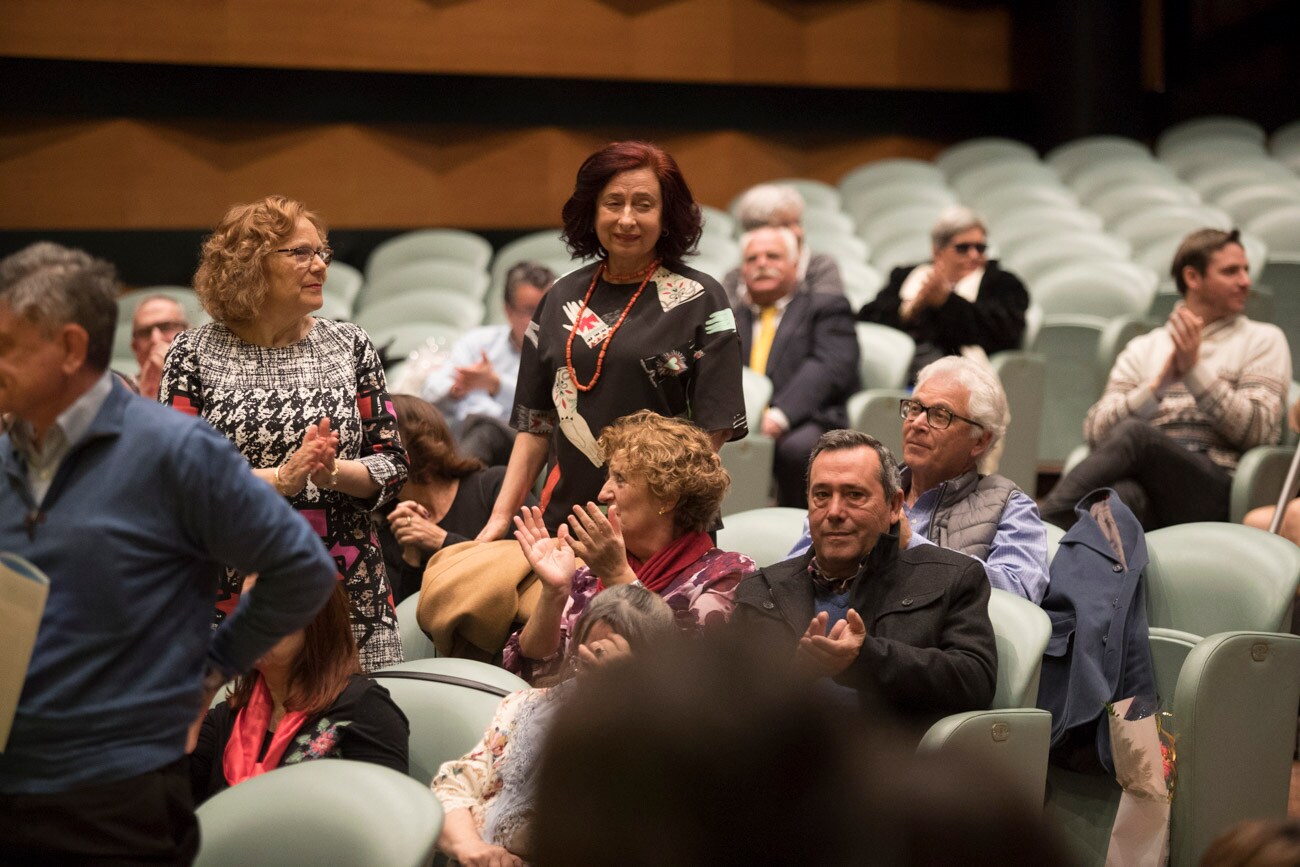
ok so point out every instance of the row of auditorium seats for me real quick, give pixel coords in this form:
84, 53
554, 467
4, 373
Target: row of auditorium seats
1218, 599
1090, 227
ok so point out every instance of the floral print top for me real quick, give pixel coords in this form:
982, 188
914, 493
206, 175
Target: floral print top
700, 596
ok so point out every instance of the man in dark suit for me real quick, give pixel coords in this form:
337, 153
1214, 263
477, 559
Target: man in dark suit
908, 627
805, 343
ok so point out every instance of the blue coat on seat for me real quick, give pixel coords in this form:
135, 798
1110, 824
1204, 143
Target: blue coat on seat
1100, 649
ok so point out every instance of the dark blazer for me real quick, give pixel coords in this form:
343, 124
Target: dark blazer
813, 364
1100, 648
995, 320
930, 649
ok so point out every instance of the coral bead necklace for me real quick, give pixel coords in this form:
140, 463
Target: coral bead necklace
604, 346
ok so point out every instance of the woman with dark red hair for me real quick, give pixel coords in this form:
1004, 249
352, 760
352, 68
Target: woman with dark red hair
636, 329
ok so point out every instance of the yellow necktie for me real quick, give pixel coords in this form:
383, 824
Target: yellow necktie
763, 345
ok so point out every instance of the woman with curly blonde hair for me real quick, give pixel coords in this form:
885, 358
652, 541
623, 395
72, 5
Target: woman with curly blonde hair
303, 398
663, 491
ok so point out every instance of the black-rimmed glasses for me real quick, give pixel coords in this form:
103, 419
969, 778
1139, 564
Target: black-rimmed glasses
302, 255
938, 417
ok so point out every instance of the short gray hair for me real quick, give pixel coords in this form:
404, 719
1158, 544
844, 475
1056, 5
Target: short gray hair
791, 241
632, 611
156, 296
842, 440
988, 401
758, 204
55, 286
952, 222
42, 254
530, 274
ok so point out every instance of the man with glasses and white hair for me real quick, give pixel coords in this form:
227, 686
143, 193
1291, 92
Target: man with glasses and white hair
956, 415
958, 303
157, 321
780, 206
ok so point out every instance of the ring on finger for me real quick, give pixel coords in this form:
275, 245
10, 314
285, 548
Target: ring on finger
408, 520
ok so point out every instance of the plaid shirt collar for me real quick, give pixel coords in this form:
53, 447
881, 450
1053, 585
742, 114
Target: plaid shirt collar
825, 586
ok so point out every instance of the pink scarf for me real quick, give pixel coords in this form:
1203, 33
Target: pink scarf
239, 761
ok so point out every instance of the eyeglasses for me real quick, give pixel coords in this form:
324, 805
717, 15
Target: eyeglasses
966, 246
938, 417
169, 329
302, 255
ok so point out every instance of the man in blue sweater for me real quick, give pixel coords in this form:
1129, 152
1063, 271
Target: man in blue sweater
131, 509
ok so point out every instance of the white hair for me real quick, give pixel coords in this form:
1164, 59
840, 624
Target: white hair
791, 240
952, 222
758, 204
988, 401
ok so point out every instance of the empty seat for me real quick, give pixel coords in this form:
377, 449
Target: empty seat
1068, 345
1118, 202
425, 275
970, 184
1209, 128
888, 171
452, 245
906, 220
869, 205
764, 535
1090, 182
1160, 220
885, 355
827, 221
907, 249
1033, 257
842, 247
979, 151
433, 305
1071, 157
1249, 201
1006, 199
1194, 155
861, 282
397, 342
1099, 288
1280, 230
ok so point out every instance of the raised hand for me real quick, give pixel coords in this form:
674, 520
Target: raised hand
479, 375
602, 652
552, 559
599, 542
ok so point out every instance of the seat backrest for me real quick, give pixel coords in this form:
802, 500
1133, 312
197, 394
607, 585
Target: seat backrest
1069, 346
449, 703
884, 355
875, 411
749, 463
433, 305
888, 171
884, 225
867, 204
1074, 155
1213, 577
1054, 536
968, 154
454, 245
757, 391
906, 249
322, 812
1022, 630
415, 644
1024, 377
1279, 228
1235, 712
764, 535
419, 276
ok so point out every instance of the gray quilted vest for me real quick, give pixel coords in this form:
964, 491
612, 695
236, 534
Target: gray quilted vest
966, 516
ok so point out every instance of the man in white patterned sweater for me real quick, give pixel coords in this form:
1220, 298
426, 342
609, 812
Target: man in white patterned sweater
1185, 400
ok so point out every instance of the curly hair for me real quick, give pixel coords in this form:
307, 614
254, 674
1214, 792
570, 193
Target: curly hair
675, 459
231, 280
429, 443
681, 221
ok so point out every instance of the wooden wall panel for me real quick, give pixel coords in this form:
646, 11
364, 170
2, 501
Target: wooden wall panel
844, 43
136, 174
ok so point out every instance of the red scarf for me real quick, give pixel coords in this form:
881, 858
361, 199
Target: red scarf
239, 761
667, 565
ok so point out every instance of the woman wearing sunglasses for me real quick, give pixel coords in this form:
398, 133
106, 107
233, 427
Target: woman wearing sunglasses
959, 303
302, 398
